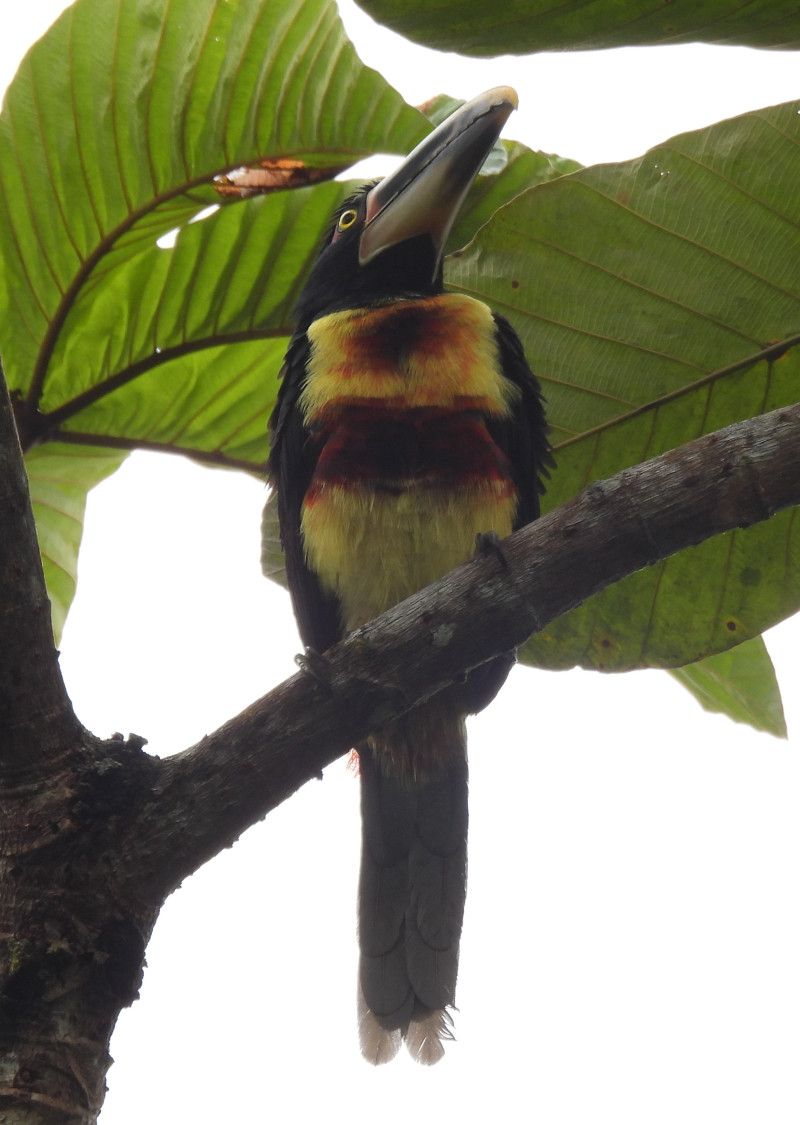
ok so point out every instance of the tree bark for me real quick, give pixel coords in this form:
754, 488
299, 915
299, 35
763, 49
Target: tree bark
36, 718
71, 949
94, 835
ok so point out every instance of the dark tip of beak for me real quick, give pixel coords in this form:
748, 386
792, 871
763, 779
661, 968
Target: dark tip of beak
424, 195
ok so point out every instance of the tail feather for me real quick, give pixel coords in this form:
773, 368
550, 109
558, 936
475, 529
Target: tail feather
431, 972
379, 1045
383, 894
384, 979
427, 1034
412, 891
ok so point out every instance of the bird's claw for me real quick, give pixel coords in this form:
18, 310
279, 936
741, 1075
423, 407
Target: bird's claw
316, 665
489, 543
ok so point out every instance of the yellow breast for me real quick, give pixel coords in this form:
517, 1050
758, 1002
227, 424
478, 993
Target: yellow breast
408, 474
374, 550
436, 351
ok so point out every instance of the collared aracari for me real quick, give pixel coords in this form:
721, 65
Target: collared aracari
408, 423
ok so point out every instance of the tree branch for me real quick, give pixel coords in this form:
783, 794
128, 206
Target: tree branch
36, 717
205, 797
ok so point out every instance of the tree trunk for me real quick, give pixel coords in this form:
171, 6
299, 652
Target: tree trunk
72, 941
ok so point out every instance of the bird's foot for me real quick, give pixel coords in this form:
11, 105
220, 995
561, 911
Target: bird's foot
489, 544
317, 666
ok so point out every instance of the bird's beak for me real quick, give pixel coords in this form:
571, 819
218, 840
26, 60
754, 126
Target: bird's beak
424, 195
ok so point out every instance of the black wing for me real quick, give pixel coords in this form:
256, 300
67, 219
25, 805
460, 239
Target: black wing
523, 434
292, 459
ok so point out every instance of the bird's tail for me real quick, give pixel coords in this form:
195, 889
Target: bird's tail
413, 882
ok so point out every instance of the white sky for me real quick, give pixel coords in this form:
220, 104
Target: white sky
631, 942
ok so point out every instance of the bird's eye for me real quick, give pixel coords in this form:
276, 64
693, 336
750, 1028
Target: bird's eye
346, 219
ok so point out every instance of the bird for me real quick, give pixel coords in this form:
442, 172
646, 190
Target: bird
408, 426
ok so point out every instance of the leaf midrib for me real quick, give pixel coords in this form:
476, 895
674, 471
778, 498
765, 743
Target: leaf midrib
774, 351
69, 409
103, 247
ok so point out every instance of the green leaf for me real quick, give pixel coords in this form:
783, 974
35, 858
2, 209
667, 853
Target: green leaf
59, 477
644, 293
740, 683
519, 27
96, 162
108, 338
179, 347
521, 169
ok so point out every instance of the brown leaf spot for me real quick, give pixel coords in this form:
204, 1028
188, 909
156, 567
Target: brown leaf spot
271, 175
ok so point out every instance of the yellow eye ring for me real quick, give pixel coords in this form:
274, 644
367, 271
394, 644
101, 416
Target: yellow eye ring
346, 219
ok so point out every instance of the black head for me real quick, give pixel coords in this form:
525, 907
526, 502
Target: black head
387, 240
338, 280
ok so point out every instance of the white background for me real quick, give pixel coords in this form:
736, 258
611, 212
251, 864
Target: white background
632, 940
